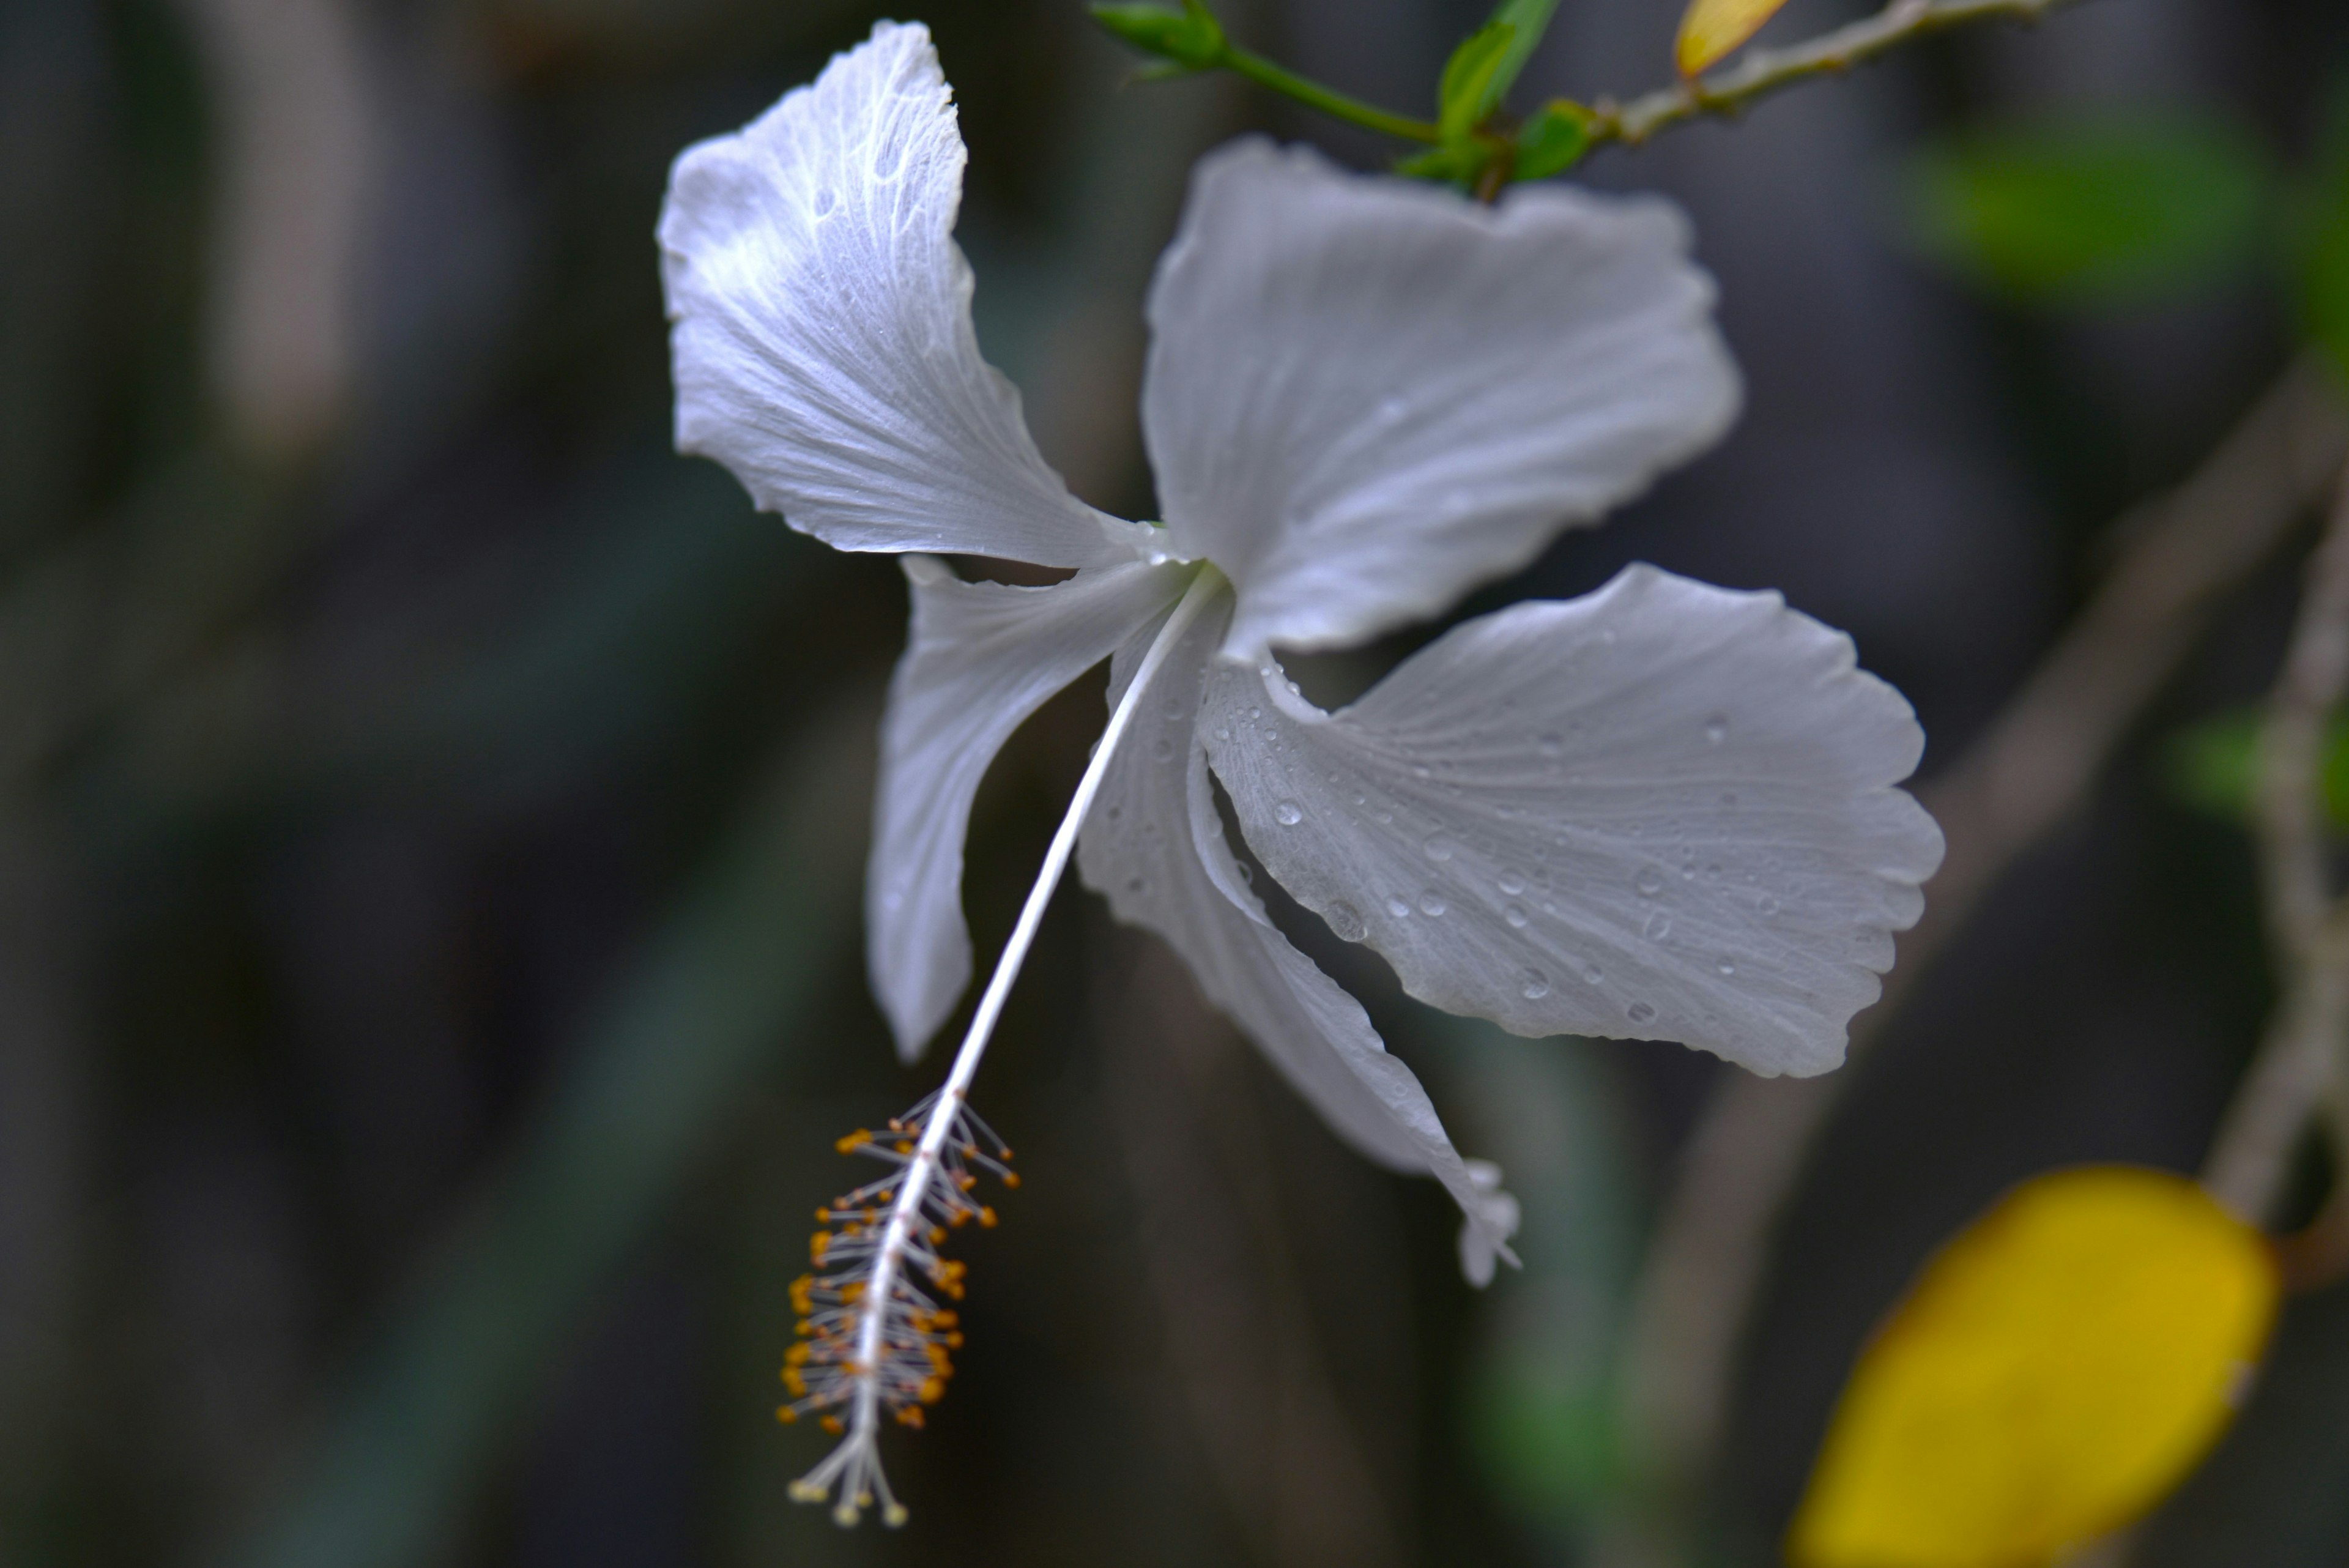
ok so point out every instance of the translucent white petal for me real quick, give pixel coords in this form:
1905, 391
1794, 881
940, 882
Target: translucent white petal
821, 340
980, 658
1366, 395
1154, 844
1663, 811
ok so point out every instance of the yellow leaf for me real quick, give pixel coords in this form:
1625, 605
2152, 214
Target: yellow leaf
1712, 30
2051, 1373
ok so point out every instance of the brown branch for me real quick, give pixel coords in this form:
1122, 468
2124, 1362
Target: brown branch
2177, 557
2308, 927
1763, 71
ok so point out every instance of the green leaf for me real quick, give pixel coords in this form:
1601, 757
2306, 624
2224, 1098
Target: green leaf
2084, 211
2214, 766
1456, 162
1191, 38
1552, 139
1468, 92
1531, 20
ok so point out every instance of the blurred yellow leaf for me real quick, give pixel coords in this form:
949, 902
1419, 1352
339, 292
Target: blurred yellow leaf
2050, 1373
1712, 30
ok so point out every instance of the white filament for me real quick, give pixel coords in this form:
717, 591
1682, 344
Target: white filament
922, 1168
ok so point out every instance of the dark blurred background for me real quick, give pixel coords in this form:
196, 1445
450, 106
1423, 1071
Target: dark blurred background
431, 814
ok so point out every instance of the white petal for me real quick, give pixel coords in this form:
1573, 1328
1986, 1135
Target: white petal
980, 658
823, 341
1155, 846
1663, 811
1367, 394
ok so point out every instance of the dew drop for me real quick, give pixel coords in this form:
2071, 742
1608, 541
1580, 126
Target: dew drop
1172, 708
1347, 921
1398, 908
1533, 985
1432, 904
1247, 874
1716, 729
1642, 1014
1550, 742
1222, 733
1769, 906
1288, 813
1512, 884
1254, 714
1650, 881
1658, 927
1591, 972
1163, 749
1713, 872
1438, 846
1726, 967
1515, 916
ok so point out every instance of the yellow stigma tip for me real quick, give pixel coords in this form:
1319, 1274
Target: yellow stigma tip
894, 1515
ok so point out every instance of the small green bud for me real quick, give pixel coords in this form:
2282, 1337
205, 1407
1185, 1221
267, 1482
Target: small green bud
1552, 138
1190, 38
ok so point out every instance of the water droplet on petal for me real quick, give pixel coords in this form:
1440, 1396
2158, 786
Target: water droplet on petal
1650, 881
1726, 967
1432, 904
1658, 927
1288, 813
1163, 749
1769, 906
1533, 984
1515, 916
1398, 908
1591, 972
1256, 713
1512, 884
1642, 1014
1716, 729
1438, 847
1247, 874
1347, 921
1550, 742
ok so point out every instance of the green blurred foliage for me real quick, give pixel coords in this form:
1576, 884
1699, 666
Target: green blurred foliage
2095, 211
1472, 84
2322, 231
2214, 766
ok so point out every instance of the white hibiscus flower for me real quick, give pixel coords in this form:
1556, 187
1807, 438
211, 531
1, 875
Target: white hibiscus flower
1663, 811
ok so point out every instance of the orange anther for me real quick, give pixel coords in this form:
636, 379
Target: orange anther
987, 1216
794, 1382
786, 1415
853, 1141
910, 1416
1010, 1177
932, 1390
832, 1424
